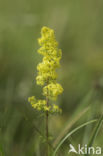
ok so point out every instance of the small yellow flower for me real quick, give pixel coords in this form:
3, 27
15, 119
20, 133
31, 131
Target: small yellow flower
56, 109
47, 108
32, 99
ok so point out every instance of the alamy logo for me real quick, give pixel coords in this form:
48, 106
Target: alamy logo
85, 150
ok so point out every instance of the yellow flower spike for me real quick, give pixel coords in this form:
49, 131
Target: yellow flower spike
47, 71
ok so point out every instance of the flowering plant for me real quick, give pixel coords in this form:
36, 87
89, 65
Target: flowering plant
47, 76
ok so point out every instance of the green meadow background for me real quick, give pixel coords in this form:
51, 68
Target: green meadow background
78, 27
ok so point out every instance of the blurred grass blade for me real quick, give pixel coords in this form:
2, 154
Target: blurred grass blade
70, 133
96, 130
1, 151
79, 112
69, 124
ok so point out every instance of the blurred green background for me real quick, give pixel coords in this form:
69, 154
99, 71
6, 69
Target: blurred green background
78, 27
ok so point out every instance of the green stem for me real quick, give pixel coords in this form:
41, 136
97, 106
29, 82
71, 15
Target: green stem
47, 131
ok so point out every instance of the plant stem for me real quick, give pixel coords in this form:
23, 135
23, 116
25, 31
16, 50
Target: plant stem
47, 133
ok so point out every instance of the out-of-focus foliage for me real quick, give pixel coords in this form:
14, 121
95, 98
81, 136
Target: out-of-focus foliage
79, 30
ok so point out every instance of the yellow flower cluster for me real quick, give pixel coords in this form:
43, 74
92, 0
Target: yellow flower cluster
47, 70
37, 104
41, 105
52, 90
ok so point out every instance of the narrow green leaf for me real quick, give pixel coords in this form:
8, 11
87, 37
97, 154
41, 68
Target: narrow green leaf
69, 124
83, 107
96, 130
70, 133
